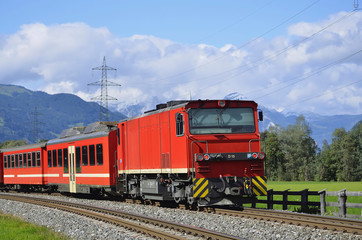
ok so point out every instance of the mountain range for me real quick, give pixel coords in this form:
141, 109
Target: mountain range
31, 115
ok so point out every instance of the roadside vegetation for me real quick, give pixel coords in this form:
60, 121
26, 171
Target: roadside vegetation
292, 154
12, 228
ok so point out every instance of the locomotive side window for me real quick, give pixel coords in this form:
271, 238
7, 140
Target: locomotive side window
65, 160
29, 159
49, 158
118, 137
92, 157
77, 159
60, 157
99, 154
16, 160
20, 160
221, 120
24, 159
38, 162
180, 124
54, 158
84, 155
12, 161
33, 159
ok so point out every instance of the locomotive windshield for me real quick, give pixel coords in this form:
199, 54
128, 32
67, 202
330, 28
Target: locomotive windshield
221, 120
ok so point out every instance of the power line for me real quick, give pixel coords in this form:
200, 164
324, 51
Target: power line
325, 93
240, 47
264, 60
300, 79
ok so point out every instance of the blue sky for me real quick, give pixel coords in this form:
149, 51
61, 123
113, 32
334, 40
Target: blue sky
189, 22
292, 56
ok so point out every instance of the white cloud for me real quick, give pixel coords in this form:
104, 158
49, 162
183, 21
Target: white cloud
59, 58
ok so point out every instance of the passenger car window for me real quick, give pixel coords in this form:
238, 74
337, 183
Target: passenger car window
38, 161
99, 154
65, 160
85, 155
77, 159
92, 157
60, 157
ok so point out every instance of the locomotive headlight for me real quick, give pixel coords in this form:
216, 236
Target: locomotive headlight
199, 157
261, 155
255, 155
221, 103
206, 156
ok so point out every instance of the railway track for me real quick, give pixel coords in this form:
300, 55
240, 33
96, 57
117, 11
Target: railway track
308, 220
152, 227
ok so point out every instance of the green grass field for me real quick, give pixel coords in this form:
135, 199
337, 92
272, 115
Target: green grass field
12, 228
317, 186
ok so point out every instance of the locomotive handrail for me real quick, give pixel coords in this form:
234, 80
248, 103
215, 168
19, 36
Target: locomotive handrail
251, 140
192, 150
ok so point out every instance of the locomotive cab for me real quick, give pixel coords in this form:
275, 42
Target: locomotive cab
227, 165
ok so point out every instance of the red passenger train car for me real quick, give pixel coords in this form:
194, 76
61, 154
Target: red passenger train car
82, 159
204, 152
23, 167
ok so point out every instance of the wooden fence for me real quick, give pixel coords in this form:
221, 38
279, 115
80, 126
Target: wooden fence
307, 205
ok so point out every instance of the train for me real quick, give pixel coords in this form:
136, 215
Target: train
197, 152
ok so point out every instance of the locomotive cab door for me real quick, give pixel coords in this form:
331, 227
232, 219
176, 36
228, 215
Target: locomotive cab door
72, 184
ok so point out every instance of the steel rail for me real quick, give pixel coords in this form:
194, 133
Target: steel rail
113, 217
309, 220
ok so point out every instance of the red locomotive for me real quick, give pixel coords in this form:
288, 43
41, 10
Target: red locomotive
204, 152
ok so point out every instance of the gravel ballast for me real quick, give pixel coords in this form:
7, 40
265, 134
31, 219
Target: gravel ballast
78, 227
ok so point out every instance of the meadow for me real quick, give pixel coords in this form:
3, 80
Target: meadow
12, 228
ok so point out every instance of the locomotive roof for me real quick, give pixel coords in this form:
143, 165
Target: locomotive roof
177, 104
24, 147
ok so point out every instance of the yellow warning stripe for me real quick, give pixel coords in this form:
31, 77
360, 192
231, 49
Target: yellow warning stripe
205, 193
201, 188
259, 186
198, 182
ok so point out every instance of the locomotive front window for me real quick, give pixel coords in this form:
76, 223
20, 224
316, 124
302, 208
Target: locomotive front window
221, 120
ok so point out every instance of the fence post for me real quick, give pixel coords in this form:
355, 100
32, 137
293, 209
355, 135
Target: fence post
342, 199
253, 202
270, 199
285, 199
304, 200
322, 195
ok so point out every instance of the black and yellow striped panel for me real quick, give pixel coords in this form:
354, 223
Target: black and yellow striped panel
201, 187
259, 185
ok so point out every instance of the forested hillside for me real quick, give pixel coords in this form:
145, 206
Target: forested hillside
30, 116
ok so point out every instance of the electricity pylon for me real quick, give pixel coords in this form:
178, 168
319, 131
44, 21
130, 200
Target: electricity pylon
103, 98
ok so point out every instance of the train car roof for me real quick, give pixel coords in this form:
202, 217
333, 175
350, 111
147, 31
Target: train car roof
93, 130
24, 147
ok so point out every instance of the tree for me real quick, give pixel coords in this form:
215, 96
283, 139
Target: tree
299, 150
342, 160
275, 160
